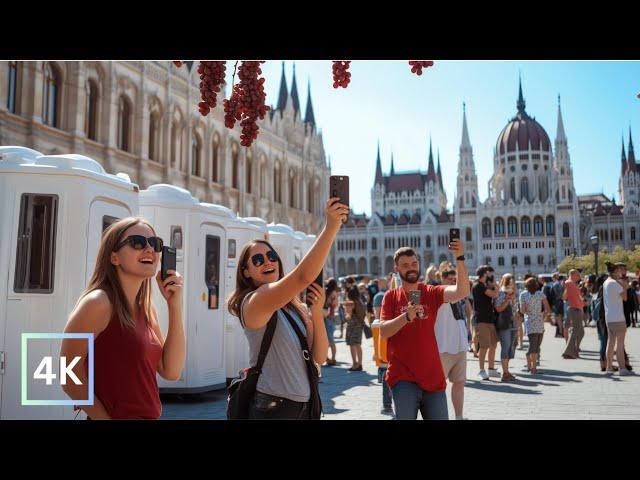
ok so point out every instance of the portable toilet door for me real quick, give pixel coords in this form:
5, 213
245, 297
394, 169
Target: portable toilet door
46, 207
236, 347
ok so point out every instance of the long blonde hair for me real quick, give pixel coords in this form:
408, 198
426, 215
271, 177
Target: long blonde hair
105, 276
506, 281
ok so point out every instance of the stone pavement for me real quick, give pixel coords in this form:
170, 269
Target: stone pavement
564, 389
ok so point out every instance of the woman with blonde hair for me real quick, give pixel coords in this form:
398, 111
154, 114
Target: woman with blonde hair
432, 275
505, 324
116, 307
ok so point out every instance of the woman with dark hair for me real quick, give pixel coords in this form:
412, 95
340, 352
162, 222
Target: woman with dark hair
356, 313
329, 311
597, 309
264, 298
533, 304
116, 307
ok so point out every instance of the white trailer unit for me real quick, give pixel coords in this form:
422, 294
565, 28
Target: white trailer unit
199, 235
53, 210
286, 244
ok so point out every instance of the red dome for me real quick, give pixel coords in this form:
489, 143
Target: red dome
521, 131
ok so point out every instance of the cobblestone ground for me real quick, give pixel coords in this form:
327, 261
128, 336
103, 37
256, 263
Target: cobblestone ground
565, 389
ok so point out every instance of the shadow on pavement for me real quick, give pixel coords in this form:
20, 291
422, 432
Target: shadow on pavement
336, 380
499, 387
560, 373
207, 397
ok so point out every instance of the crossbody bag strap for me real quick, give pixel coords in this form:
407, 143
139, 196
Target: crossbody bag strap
266, 339
303, 340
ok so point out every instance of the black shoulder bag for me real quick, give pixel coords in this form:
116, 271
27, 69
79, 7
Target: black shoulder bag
315, 402
243, 389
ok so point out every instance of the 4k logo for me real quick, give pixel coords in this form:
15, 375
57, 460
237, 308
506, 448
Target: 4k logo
45, 369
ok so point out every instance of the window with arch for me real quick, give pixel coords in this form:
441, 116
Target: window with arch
215, 160
527, 260
374, 243
499, 227
51, 96
540, 259
501, 261
12, 87
176, 143
564, 192
292, 189
234, 166
632, 234
196, 155
486, 228
310, 203
124, 123
524, 189
428, 241
249, 172
565, 230
91, 115
514, 260
277, 196
154, 136
570, 195
468, 234
551, 225
512, 189
538, 226
525, 226
512, 226
487, 260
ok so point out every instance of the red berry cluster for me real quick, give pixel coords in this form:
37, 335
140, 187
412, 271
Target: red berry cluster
418, 65
177, 63
247, 102
211, 80
341, 77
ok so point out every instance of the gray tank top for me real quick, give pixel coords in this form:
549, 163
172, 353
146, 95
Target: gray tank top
284, 373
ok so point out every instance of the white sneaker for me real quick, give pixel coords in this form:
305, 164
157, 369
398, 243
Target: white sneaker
494, 373
483, 375
610, 371
625, 373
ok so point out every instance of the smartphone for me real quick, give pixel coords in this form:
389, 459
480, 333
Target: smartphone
414, 296
168, 261
318, 281
454, 234
339, 187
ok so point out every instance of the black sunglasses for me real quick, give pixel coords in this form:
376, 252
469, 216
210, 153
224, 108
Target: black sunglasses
258, 258
139, 242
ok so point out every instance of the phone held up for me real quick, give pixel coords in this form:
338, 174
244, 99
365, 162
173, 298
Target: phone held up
454, 234
317, 281
168, 262
414, 297
339, 187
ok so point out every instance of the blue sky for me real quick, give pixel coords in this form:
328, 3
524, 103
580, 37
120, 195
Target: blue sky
386, 102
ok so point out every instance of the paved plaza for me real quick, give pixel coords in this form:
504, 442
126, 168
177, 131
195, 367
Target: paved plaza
564, 389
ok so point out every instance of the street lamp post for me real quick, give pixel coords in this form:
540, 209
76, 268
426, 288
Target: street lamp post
595, 243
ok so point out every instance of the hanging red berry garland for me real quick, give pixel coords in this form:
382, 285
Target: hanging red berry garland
418, 65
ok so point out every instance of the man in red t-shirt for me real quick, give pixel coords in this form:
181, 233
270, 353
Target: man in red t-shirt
415, 373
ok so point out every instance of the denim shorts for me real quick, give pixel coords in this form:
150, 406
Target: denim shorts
330, 325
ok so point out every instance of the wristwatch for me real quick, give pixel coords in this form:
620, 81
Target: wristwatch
461, 258
406, 316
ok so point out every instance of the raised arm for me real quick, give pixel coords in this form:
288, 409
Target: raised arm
455, 293
273, 296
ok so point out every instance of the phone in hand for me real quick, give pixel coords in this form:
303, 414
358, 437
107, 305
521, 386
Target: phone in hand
168, 262
454, 234
414, 298
318, 281
339, 187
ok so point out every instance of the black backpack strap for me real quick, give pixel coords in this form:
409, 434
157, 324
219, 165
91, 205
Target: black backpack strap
301, 337
266, 339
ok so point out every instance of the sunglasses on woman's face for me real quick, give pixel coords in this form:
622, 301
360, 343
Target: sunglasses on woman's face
258, 258
139, 242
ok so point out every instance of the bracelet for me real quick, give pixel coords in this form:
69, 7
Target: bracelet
461, 258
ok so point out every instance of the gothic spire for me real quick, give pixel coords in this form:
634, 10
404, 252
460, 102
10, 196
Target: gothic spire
294, 92
308, 115
284, 92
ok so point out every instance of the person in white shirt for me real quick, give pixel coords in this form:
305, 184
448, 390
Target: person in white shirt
614, 293
453, 343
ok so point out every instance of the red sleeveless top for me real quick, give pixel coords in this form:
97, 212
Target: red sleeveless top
125, 365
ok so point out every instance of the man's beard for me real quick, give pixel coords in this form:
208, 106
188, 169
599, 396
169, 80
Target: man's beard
405, 278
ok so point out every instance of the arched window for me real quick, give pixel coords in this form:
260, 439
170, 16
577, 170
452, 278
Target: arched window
124, 124
276, 183
499, 227
215, 160
234, 166
196, 155
514, 260
527, 260
428, 241
540, 259
512, 225
538, 226
374, 243
12, 87
310, 196
551, 225
543, 188
351, 266
570, 195
525, 226
154, 140
91, 115
292, 189
501, 261
524, 189
486, 228
176, 144
565, 230
564, 192
512, 189
362, 265
375, 265
249, 172
632, 234
487, 260
342, 267
51, 96
388, 265
468, 234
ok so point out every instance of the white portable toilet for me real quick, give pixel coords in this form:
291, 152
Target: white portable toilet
53, 210
236, 346
198, 232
